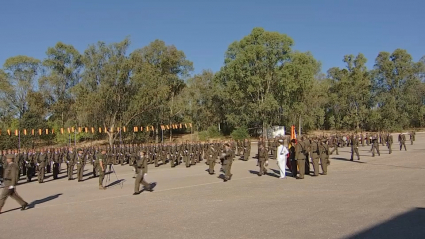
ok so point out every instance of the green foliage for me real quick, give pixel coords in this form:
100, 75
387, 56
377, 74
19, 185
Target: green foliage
263, 82
211, 133
240, 133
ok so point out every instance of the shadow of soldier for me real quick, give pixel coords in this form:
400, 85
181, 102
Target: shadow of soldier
40, 201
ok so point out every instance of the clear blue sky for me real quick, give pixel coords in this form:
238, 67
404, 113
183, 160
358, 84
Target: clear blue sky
329, 29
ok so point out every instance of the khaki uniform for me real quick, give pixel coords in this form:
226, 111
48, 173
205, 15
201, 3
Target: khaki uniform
10, 172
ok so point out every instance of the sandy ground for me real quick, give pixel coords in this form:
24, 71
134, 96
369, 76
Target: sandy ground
380, 197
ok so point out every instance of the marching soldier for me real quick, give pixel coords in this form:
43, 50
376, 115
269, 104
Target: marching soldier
402, 140
141, 168
354, 147
375, 145
10, 182
411, 138
41, 163
211, 158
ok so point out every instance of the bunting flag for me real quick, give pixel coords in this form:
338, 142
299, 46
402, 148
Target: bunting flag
74, 129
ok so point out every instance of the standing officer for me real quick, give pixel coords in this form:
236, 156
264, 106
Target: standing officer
315, 155
10, 172
262, 158
246, 149
41, 163
227, 162
389, 142
70, 162
141, 166
300, 153
211, 159
354, 146
101, 161
324, 155
80, 165
56, 158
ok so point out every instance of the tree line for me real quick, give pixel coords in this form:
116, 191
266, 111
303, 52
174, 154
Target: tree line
263, 82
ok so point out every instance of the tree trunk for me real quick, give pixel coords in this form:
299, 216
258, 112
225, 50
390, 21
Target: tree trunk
156, 132
299, 126
111, 139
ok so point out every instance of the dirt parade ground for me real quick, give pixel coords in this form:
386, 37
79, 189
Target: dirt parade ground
376, 197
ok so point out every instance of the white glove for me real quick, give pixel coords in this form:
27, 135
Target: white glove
38, 164
26, 161
11, 187
67, 161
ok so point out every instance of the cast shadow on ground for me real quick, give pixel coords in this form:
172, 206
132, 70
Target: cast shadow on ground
268, 173
43, 200
404, 226
119, 181
348, 160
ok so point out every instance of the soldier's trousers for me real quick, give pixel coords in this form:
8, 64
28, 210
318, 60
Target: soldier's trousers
41, 174
48, 168
324, 163
263, 169
95, 168
101, 176
315, 165
294, 168
301, 166
401, 146
355, 151
24, 169
307, 165
211, 164
140, 179
227, 168
411, 142
55, 170
389, 149
187, 161
373, 151
29, 173
80, 171
70, 171
173, 161
10, 193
